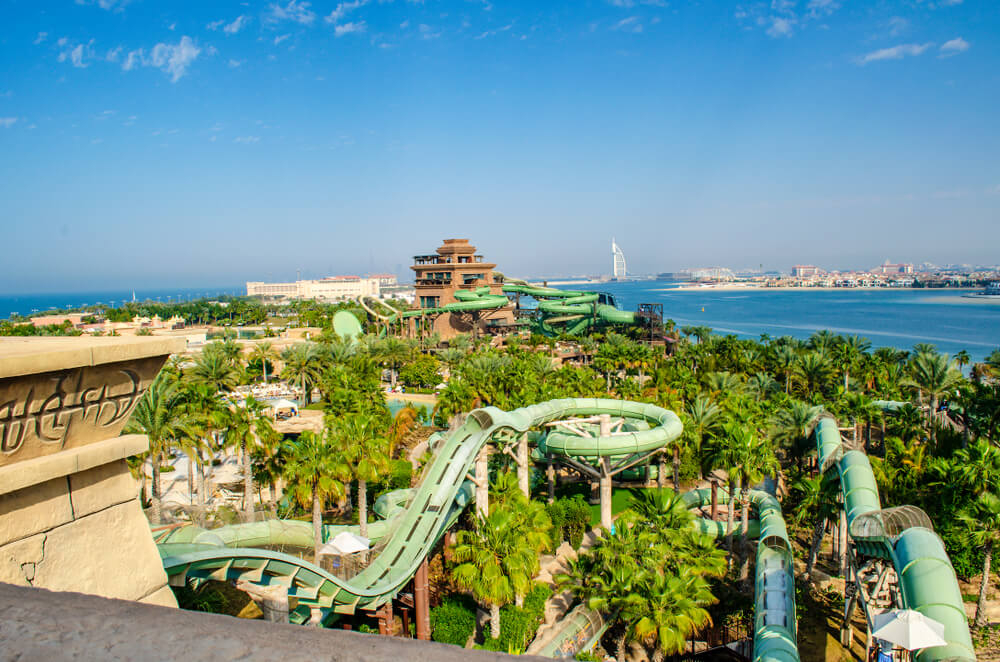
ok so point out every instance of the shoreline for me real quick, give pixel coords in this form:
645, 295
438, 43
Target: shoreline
743, 287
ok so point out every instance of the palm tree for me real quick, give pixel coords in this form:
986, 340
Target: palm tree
814, 368
818, 500
265, 353
158, 416
932, 376
793, 425
247, 424
393, 352
360, 440
849, 350
724, 383
302, 364
703, 420
786, 359
979, 466
672, 609
215, 369
497, 559
313, 475
822, 341
982, 523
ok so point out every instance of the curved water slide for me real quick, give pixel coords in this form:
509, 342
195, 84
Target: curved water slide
576, 310
905, 538
410, 533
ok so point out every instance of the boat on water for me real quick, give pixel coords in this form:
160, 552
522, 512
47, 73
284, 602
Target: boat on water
992, 290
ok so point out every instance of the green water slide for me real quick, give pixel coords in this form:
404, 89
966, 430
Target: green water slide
411, 530
577, 311
904, 536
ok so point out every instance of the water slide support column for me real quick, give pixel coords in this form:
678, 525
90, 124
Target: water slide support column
550, 477
482, 480
523, 469
421, 604
605, 480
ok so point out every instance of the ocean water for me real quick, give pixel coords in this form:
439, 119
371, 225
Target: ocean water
887, 317
27, 304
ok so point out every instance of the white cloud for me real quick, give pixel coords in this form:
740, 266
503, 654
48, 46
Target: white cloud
348, 28
821, 8
628, 4
781, 26
238, 24
40, 38
172, 27
7, 122
405, 24
117, 5
172, 59
294, 11
280, 38
427, 32
343, 8
897, 24
62, 41
235, 64
113, 54
954, 47
490, 33
894, 53
247, 140
630, 24
74, 55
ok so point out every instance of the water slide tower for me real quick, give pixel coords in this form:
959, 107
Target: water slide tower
618, 272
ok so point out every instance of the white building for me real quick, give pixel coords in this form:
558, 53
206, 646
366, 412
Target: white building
333, 288
619, 272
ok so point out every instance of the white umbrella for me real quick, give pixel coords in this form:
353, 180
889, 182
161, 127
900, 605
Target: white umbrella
909, 629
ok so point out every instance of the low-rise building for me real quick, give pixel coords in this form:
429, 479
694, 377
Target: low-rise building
805, 271
332, 288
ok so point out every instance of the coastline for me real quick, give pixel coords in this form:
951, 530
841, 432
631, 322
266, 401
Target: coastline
742, 287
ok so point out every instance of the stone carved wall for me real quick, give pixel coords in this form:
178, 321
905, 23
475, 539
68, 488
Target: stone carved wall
70, 516
54, 411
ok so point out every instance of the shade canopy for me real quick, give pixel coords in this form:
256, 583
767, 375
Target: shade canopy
345, 543
908, 629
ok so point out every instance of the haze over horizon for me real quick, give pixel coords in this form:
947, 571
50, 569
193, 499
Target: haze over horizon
147, 144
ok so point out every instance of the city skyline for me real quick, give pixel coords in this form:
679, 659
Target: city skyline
166, 146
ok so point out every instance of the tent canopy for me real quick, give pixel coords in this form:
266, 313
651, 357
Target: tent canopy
345, 543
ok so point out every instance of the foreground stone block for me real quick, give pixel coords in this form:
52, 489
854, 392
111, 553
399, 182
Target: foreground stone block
70, 517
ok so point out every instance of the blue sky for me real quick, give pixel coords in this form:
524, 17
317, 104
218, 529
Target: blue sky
194, 144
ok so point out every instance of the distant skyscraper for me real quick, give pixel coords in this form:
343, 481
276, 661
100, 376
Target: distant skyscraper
619, 260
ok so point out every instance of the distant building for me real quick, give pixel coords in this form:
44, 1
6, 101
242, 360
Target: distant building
455, 266
805, 271
385, 280
333, 288
619, 271
889, 268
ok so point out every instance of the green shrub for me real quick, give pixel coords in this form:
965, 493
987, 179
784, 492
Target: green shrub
519, 624
422, 371
454, 621
577, 520
557, 514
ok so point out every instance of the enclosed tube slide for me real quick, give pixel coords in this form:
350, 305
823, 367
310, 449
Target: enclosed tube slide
774, 586
927, 579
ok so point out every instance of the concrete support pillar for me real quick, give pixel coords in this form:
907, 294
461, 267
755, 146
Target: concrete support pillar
483, 481
550, 477
523, 466
605, 490
605, 482
421, 604
843, 545
715, 500
272, 600
316, 617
